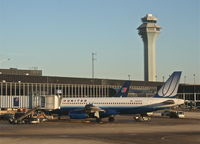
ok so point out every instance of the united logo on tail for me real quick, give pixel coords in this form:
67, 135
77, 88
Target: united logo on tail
170, 87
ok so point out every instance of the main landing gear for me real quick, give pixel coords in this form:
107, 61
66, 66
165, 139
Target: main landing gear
99, 120
111, 119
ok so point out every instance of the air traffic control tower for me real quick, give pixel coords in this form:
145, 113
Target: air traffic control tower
149, 31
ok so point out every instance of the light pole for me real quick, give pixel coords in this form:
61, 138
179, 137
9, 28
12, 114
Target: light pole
194, 78
129, 77
194, 90
93, 59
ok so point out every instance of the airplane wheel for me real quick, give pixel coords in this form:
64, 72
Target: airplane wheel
15, 122
142, 118
149, 118
111, 119
98, 120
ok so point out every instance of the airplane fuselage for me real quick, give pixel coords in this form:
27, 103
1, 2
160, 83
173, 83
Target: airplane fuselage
120, 105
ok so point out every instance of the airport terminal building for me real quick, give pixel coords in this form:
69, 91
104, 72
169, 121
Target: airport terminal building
22, 90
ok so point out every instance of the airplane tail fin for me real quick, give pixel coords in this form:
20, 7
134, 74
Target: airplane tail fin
170, 87
123, 91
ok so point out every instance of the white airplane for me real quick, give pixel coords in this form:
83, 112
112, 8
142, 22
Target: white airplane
102, 107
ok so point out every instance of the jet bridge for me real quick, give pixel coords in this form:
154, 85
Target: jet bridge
51, 102
47, 102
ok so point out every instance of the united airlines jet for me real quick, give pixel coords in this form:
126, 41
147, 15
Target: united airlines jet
102, 107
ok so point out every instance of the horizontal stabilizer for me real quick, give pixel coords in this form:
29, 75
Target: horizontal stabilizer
168, 102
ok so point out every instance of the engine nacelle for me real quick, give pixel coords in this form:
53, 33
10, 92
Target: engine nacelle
79, 114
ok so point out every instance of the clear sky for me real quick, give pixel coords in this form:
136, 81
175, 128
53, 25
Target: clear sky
58, 36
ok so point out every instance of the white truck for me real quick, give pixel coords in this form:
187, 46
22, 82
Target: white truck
173, 114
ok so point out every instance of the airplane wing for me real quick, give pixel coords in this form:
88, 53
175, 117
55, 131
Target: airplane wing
90, 108
91, 111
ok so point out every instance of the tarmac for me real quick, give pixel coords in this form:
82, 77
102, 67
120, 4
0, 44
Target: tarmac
124, 130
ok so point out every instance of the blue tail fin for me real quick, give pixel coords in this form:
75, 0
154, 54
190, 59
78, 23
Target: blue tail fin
123, 91
170, 87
